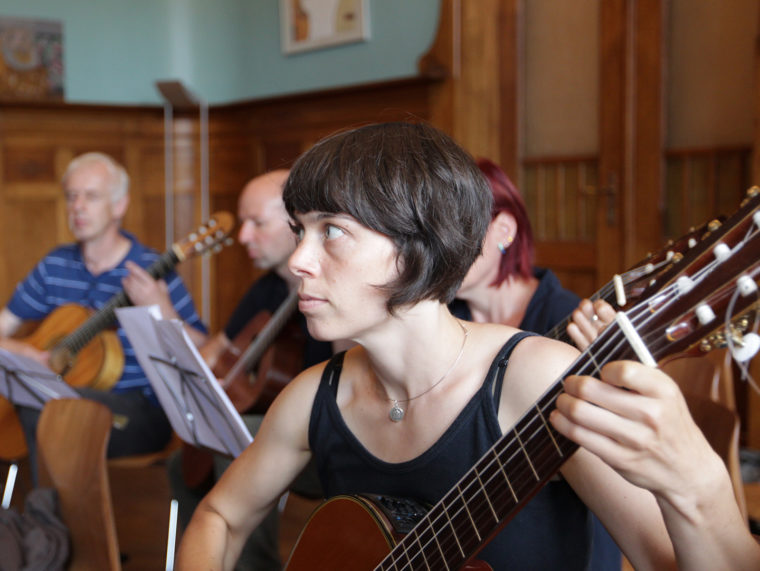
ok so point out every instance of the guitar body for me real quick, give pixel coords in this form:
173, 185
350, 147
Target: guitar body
349, 532
98, 364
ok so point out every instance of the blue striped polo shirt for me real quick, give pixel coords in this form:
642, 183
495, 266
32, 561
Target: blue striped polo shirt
61, 277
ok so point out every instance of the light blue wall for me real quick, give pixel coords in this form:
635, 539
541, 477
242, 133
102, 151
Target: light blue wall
223, 50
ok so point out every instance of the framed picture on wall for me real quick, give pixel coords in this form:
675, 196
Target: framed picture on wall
31, 59
313, 24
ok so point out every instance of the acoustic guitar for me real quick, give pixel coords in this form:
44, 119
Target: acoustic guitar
706, 300
83, 346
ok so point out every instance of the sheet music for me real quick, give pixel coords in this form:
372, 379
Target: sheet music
199, 410
26, 382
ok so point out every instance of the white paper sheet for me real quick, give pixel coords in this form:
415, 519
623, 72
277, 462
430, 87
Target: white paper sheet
199, 410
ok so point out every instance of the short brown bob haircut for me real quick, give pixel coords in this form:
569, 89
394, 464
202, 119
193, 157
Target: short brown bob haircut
410, 182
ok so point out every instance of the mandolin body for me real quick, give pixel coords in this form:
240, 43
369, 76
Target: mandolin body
98, 364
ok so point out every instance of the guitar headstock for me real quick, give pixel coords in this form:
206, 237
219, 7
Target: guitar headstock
207, 238
710, 296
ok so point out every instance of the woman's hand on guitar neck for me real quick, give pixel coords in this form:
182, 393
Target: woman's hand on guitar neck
25, 349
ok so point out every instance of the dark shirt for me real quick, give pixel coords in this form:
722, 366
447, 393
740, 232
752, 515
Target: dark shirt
550, 304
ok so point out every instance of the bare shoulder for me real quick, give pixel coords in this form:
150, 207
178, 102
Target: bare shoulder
535, 364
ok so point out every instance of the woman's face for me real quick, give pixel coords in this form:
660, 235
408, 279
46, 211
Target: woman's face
340, 263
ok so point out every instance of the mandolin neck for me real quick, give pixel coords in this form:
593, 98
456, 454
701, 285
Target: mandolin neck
105, 317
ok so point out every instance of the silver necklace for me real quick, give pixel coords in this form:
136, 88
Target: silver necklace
396, 414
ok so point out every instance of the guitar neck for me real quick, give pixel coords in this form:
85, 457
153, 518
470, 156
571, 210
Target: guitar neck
609, 293
105, 317
669, 320
503, 480
264, 339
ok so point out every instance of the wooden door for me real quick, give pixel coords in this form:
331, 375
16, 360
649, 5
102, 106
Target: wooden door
551, 90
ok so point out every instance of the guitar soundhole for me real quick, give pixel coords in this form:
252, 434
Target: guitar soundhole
403, 514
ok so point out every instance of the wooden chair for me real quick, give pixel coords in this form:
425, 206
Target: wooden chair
707, 384
72, 436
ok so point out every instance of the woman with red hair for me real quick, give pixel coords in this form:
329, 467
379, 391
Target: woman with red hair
503, 286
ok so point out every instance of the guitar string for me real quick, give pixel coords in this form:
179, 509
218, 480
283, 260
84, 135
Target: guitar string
439, 520
449, 499
669, 291
672, 291
541, 432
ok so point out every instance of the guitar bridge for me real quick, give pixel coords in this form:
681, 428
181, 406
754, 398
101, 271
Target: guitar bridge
403, 514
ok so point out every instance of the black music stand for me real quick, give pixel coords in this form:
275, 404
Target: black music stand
25, 382
198, 409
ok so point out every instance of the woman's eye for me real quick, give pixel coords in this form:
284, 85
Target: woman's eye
332, 232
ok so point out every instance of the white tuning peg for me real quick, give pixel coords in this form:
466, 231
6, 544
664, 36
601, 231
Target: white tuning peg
705, 314
684, 284
746, 285
747, 348
721, 251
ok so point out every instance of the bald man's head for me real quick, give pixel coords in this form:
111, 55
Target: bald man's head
264, 228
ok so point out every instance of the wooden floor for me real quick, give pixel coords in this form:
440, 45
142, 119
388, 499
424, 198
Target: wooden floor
141, 500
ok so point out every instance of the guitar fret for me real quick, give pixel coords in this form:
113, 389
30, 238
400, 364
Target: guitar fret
485, 494
453, 530
504, 473
525, 452
440, 549
549, 430
469, 515
421, 551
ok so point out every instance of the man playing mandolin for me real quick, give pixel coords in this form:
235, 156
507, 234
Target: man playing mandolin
102, 262
268, 239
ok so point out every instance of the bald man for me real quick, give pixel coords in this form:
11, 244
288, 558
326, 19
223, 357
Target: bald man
266, 235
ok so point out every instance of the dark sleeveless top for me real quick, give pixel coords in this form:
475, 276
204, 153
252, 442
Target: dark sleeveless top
552, 532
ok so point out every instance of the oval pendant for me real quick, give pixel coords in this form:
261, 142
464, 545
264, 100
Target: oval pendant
396, 413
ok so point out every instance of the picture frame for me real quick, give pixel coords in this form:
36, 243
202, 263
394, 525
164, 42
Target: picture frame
307, 25
31, 59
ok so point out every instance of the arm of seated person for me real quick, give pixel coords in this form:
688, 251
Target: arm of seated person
9, 324
214, 348
254, 482
636, 420
143, 289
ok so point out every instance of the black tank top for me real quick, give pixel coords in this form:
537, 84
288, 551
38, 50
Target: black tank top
552, 532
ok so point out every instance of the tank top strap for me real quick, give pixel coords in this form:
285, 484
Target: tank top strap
331, 373
500, 362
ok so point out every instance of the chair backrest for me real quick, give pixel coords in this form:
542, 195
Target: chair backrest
707, 385
72, 436
721, 429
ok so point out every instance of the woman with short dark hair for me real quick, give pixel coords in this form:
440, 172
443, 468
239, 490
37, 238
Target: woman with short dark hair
388, 220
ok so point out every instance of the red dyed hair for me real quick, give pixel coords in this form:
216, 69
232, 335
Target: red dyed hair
518, 259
